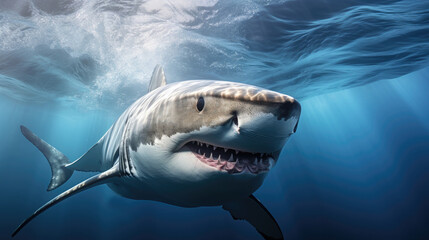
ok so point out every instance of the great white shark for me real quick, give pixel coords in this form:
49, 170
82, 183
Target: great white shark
190, 144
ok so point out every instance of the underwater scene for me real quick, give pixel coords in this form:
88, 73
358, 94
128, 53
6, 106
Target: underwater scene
355, 167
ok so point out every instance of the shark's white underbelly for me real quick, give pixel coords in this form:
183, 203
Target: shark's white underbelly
202, 187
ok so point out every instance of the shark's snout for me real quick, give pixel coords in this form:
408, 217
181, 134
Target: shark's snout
265, 126
289, 109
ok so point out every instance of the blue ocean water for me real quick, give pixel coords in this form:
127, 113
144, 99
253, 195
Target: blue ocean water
357, 168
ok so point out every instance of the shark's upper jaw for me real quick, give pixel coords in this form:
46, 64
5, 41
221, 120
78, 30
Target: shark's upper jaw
230, 160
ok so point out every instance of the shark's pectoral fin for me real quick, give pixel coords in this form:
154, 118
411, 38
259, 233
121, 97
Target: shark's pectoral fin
251, 210
158, 78
89, 183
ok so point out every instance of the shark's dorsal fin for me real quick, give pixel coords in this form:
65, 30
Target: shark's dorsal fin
251, 210
89, 183
158, 78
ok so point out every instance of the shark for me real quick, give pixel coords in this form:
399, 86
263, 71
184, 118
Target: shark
189, 144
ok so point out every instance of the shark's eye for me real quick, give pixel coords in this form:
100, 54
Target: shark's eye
200, 104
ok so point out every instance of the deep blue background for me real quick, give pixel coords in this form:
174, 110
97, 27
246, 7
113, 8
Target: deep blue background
357, 168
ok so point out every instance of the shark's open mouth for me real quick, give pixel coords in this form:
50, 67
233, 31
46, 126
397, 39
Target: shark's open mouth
231, 160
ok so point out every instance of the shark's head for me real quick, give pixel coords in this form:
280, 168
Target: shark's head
210, 140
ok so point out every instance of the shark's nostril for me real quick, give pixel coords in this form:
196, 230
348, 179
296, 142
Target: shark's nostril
296, 126
235, 120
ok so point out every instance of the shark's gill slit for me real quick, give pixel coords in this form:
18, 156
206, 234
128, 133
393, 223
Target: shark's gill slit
230, 160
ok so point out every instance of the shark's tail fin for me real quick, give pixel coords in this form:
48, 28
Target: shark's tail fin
57, 160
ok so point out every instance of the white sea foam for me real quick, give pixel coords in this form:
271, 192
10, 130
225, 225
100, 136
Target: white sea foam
101, 53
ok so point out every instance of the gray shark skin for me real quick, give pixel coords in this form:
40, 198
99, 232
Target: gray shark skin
190, 144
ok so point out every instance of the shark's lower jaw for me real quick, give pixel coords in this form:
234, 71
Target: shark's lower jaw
230, 160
